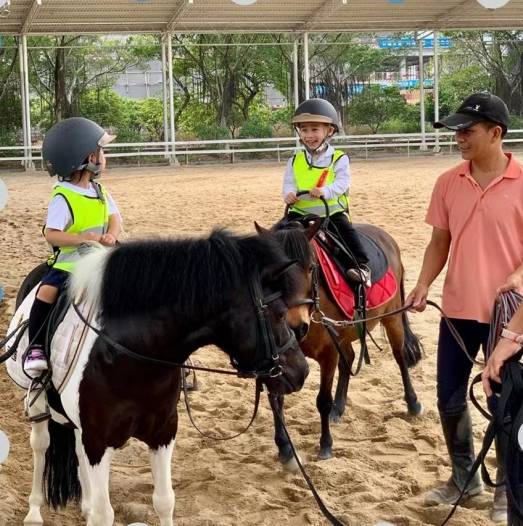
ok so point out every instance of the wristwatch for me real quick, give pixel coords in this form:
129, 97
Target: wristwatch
512, 336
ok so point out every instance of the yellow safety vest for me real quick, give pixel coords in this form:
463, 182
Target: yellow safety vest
307, 177
89, 214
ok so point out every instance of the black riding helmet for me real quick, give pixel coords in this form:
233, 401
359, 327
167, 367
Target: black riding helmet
68, 144
316, 110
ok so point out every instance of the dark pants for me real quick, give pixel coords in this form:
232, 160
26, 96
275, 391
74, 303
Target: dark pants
454, 367
41, 310
340, 224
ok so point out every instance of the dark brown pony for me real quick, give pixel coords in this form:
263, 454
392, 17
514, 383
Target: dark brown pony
319, 345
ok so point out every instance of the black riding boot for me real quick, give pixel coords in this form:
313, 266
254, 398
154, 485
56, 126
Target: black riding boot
498, 513
457, 429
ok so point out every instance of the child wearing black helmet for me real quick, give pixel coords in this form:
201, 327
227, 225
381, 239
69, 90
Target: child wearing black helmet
80, 211
323, 172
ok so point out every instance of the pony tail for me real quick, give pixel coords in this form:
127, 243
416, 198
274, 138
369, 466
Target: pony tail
61, 482
412, 348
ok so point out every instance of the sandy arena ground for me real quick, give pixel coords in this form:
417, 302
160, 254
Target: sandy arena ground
384, 459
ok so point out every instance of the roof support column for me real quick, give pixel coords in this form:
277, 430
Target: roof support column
423, 146
26, 112
172, 137
165, 96
307, 75
437, 147
295, 77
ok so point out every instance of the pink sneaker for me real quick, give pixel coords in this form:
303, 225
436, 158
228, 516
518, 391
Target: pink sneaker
35, 362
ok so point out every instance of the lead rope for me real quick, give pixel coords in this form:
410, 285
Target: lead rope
323, 508
258, 389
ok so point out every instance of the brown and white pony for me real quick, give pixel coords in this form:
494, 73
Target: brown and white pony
158, 301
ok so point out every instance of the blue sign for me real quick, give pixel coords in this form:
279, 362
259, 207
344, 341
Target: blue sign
411, 42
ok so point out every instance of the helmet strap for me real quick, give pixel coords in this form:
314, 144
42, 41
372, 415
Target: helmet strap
319, 149
94, 168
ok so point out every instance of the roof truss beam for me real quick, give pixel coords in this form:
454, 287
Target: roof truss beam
325, 10
179, 9
30, 15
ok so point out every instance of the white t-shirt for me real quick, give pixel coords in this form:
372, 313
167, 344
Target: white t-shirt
58, 214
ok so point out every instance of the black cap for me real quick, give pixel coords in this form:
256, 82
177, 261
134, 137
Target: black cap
479, 107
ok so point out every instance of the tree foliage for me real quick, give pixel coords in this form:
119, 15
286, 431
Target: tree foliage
499, 54
375, 105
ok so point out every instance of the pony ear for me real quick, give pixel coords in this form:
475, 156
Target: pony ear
312, 227
274, 272
261, 231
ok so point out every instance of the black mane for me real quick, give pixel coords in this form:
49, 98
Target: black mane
192, 277
291, 235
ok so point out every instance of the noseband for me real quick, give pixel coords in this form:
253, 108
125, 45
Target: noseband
267, 350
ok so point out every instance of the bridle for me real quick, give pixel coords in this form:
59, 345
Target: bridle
267, 350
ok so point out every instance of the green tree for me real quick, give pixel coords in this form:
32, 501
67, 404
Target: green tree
455, 86
64, 67
10, 101
339, 62
229, 71
500, 56
375, 105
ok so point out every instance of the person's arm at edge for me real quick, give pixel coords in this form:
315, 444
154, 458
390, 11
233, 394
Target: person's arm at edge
436, 255
504, 350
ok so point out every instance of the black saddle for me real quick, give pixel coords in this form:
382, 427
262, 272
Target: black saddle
378, 262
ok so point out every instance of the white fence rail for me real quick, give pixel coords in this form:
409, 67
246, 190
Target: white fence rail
281, 146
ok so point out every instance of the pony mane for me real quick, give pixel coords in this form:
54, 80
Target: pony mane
86, 280
291, 235
192, 277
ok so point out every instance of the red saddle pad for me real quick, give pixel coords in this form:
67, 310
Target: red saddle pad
378, 294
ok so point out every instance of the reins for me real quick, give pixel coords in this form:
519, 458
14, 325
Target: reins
258, 390
330, 325
18, 332
166, 363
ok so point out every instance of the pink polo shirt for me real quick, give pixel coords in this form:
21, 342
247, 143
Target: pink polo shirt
486, 228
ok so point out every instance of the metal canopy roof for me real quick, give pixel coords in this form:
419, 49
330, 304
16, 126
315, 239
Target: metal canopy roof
204, 16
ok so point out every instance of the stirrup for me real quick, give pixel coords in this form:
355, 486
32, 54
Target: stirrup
360, 275
36, 406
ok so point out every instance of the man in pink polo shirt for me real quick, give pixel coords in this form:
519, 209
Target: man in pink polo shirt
476, 214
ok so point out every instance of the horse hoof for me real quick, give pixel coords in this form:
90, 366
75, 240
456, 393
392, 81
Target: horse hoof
335, 416
417, 409
33, 522
325, 454
291, 466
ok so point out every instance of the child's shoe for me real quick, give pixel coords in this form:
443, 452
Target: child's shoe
35, 362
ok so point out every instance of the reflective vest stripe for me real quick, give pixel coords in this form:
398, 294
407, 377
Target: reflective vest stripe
89, 214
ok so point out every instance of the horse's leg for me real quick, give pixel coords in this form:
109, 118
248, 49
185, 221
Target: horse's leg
83, 475
163, 495
39, 443
328, 361
340, 399
285, 455
102, 513
395, 333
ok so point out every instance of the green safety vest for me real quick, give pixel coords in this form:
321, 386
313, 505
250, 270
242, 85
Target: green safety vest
307, 177
89, 214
